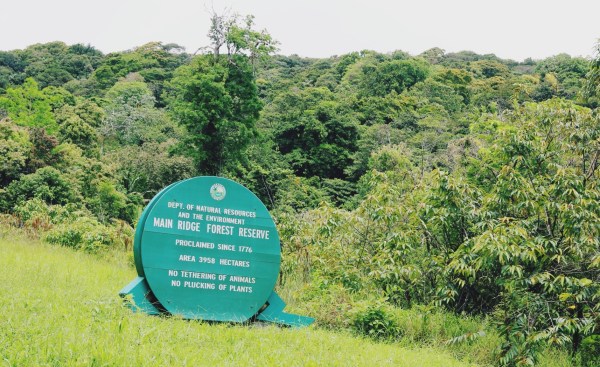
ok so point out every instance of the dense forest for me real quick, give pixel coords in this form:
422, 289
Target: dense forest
452, 181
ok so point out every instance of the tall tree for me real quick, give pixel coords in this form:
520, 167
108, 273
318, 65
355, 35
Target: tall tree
239, 37
217, 102
215, 97
592, 88
29, 106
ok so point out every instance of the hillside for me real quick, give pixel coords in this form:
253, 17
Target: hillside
445, 199
60, 308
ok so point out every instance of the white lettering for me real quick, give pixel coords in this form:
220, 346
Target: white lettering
239, 213
187, 258
225, 247
219, 229
262, 234
197, 244
198, 275
242, 279
238, 263
240, 288
188, 226
198, 285
163, 222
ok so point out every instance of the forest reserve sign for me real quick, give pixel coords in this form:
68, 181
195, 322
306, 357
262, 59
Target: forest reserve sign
207, 248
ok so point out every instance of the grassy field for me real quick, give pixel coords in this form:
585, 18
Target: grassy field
61, 308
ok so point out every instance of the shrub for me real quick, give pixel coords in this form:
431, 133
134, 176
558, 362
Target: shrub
590, 351
84, 233
35, 213
376, 322
47, 184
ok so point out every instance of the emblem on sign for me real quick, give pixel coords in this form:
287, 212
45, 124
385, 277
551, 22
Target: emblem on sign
217, 191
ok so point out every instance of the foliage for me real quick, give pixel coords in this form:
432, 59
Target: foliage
239, 37
47, 184
375, 323
590, 350
82, 234
43, 149
592, 86
217, 102
570, 73
108, 203
148, 168
75, 130
29, 106
15, 148
37, 214
314, 135
154, 62
413, 194
131, 117
392, 76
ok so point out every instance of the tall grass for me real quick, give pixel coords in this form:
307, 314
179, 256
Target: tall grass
60, 308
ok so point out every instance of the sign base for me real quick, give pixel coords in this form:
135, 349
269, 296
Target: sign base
137, 293
274, 313
141, 299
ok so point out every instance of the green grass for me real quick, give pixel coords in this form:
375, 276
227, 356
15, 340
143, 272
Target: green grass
60, 308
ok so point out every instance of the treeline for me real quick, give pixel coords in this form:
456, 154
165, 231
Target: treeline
458, 180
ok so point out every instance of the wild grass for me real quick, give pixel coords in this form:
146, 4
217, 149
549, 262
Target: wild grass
60, 307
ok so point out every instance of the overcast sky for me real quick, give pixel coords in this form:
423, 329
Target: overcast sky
514, 29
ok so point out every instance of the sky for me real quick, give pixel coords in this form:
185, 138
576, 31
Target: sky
511, 29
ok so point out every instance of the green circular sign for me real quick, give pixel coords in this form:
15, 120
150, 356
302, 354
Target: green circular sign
208, 249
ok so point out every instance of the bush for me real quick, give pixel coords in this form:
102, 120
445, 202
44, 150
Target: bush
108, 203
84, 233
376, 322
36, 214
47, 184
590, 351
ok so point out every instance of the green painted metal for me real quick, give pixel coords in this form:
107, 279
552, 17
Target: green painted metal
138, 293
137, 248
274, 313
207, 248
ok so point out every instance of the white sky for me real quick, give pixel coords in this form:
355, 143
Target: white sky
513, 29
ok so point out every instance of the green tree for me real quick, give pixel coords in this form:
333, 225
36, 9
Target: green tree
439, 93
55, 63
154, 62
313, 134
535, 238
131, 116
569, 71
392, 76
148, 168
489, 69
458, 79
28, 106
239, 37
15, 149
12, 66
47, 184
43, 151
217, 102
592, 86
108, 203
74, 130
